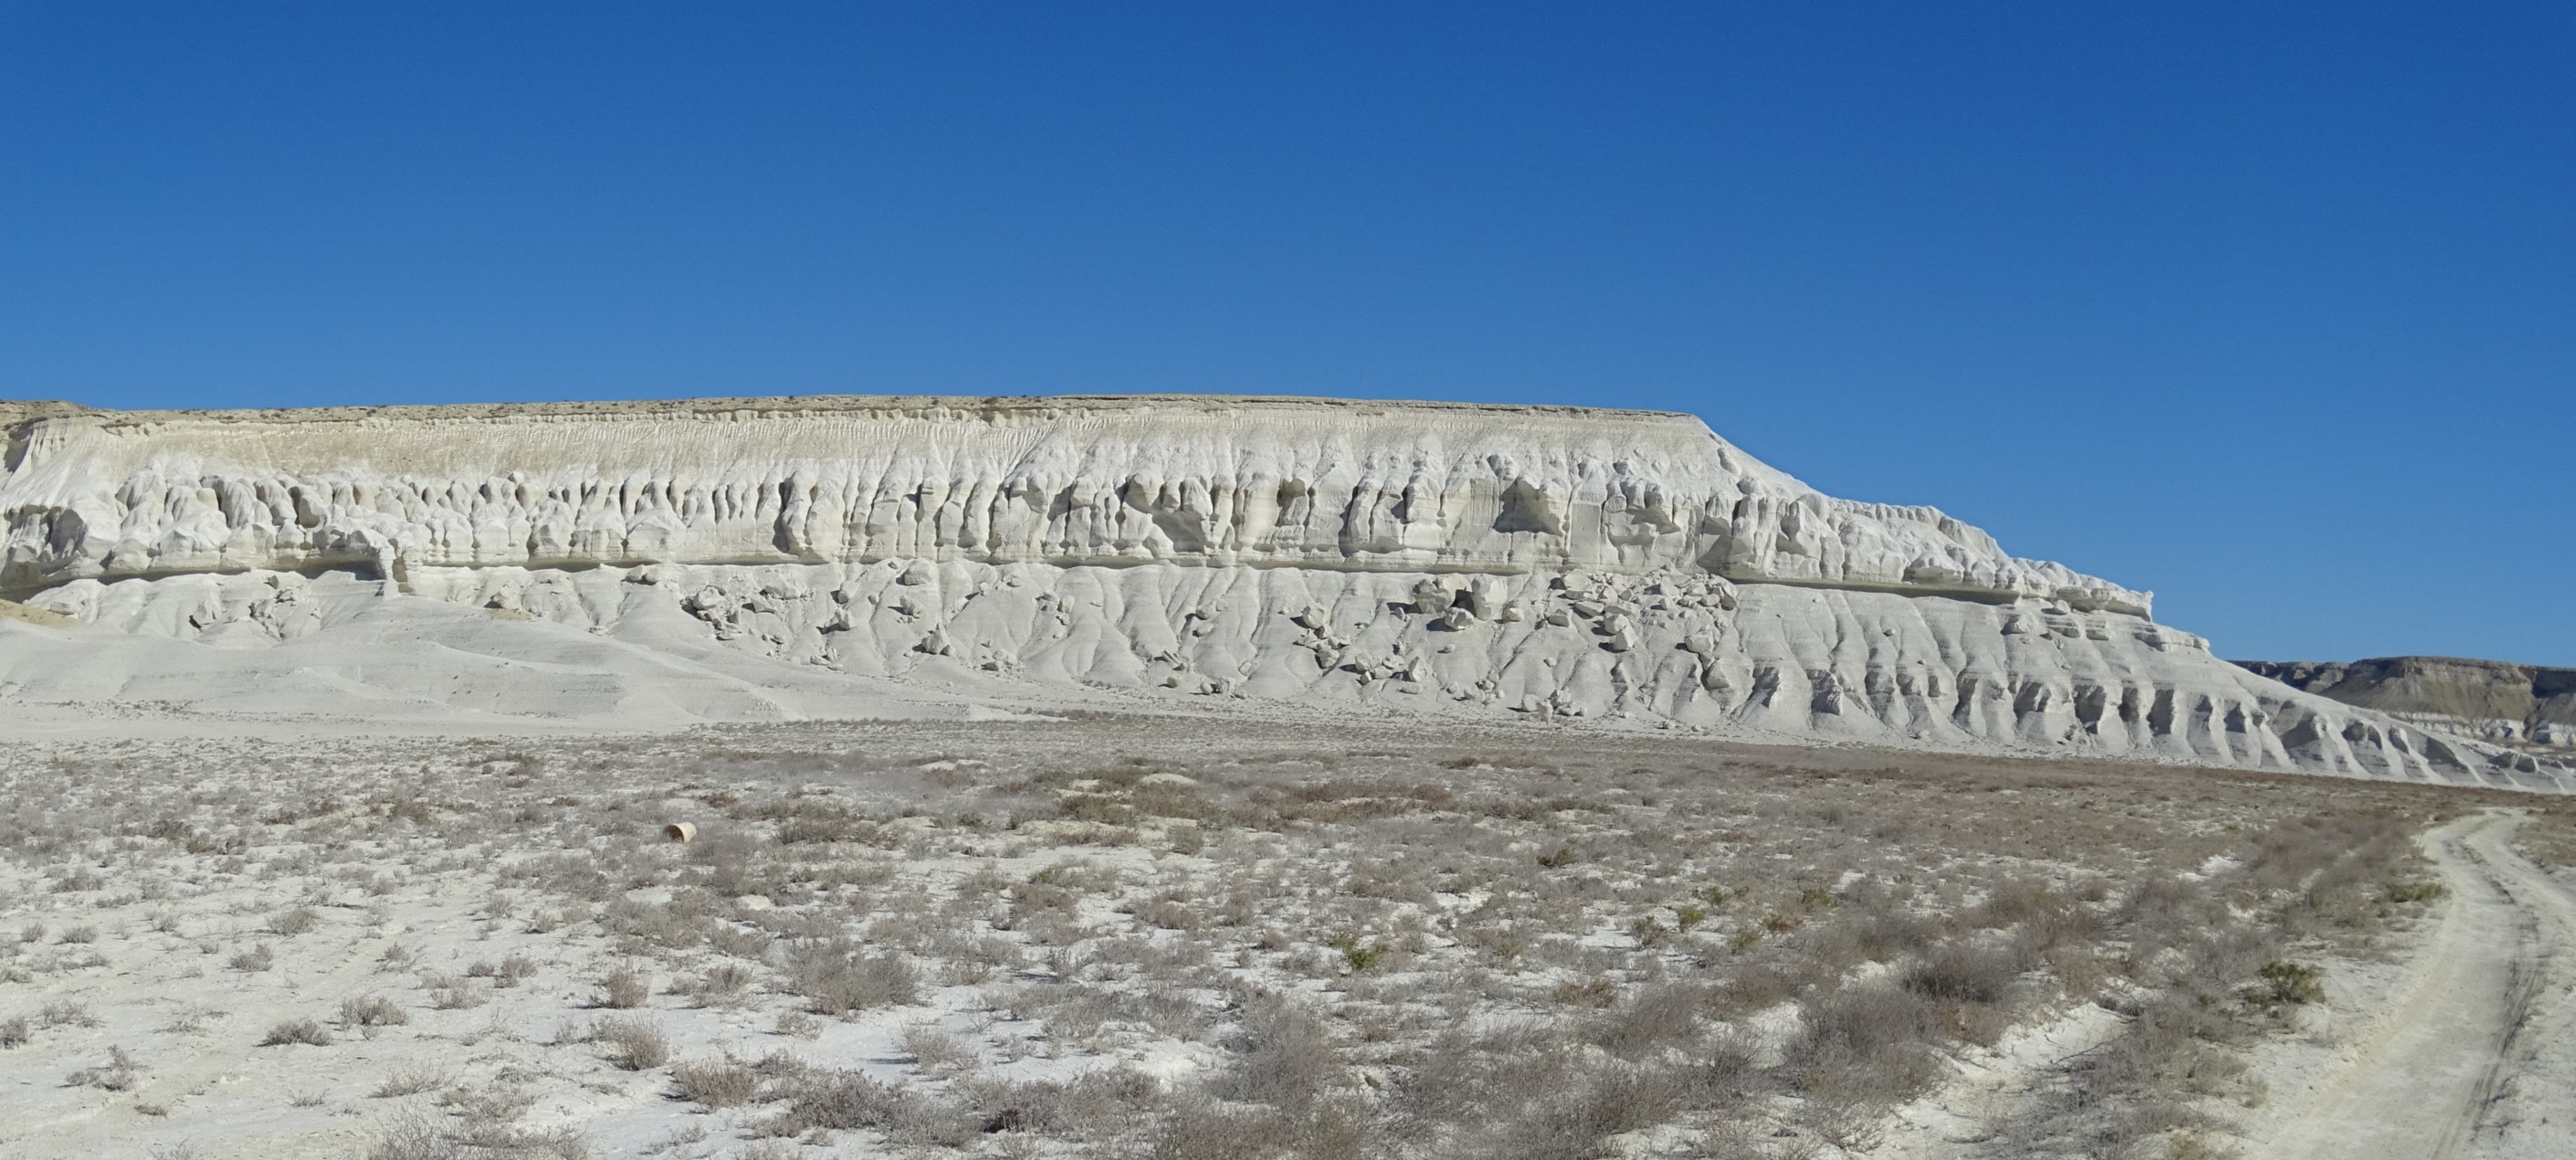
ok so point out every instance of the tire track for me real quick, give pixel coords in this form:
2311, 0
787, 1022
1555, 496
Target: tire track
2515, 1100
2431, 1076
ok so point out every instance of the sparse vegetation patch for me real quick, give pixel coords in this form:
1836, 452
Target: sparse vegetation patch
1112, 938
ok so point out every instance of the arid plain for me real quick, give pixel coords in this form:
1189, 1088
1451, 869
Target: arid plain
1265, 934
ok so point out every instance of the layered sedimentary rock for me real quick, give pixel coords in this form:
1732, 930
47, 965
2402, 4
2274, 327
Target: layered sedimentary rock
1548, 562
1067, 482
2515, 704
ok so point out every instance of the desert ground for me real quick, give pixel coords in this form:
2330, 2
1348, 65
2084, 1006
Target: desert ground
1266, 935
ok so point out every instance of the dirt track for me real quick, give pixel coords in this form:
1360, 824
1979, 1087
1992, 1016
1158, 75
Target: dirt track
2467, 1061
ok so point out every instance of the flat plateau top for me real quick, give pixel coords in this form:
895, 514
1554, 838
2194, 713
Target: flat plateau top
2414, 661
13, 412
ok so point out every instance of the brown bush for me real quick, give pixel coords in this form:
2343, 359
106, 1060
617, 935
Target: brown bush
1961, 972
635, 1043
845, 1100
716, 1083
371, 1011
840, 978
624, 988
297, 1031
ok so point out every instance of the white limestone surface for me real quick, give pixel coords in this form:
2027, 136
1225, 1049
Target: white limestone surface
1546, 562
1068, 481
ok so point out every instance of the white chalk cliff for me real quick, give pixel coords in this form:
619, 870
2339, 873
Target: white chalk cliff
1546, 562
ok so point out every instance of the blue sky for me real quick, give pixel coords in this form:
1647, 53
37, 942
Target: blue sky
2271, 308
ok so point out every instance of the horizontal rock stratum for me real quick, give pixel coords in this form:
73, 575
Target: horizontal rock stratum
1116, 481
2530, 705
1534, 561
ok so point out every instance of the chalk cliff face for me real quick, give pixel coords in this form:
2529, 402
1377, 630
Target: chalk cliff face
1069, 482
1540, 561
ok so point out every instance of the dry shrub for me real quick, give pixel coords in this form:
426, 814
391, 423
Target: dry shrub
1462, 1072
624, 988
1284, 1057
809, 818
2288, 982
838, 978
716, 1083
732, 862
509, 972
1658, 1017
68, 1013
495, 1140
934, 1049
1203, 1129
1200, 1128
1532, 1093
1608, 1101
120, 1073
409, 1081
304, 1031
1592, 992
1169, 914
647, 925
635, 1043
1879, 931
1964, 973
1867, 1035
487, 1112
371, 1011
846, 1100
414, 1136
720, 982
739, 942
1092, 1104
2413, 891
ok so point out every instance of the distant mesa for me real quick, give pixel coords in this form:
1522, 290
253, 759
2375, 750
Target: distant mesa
779, 558
2523, 705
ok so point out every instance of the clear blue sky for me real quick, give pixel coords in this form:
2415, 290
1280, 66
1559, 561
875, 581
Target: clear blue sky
2271, 308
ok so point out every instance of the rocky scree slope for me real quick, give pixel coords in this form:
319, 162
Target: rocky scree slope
1544, 561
